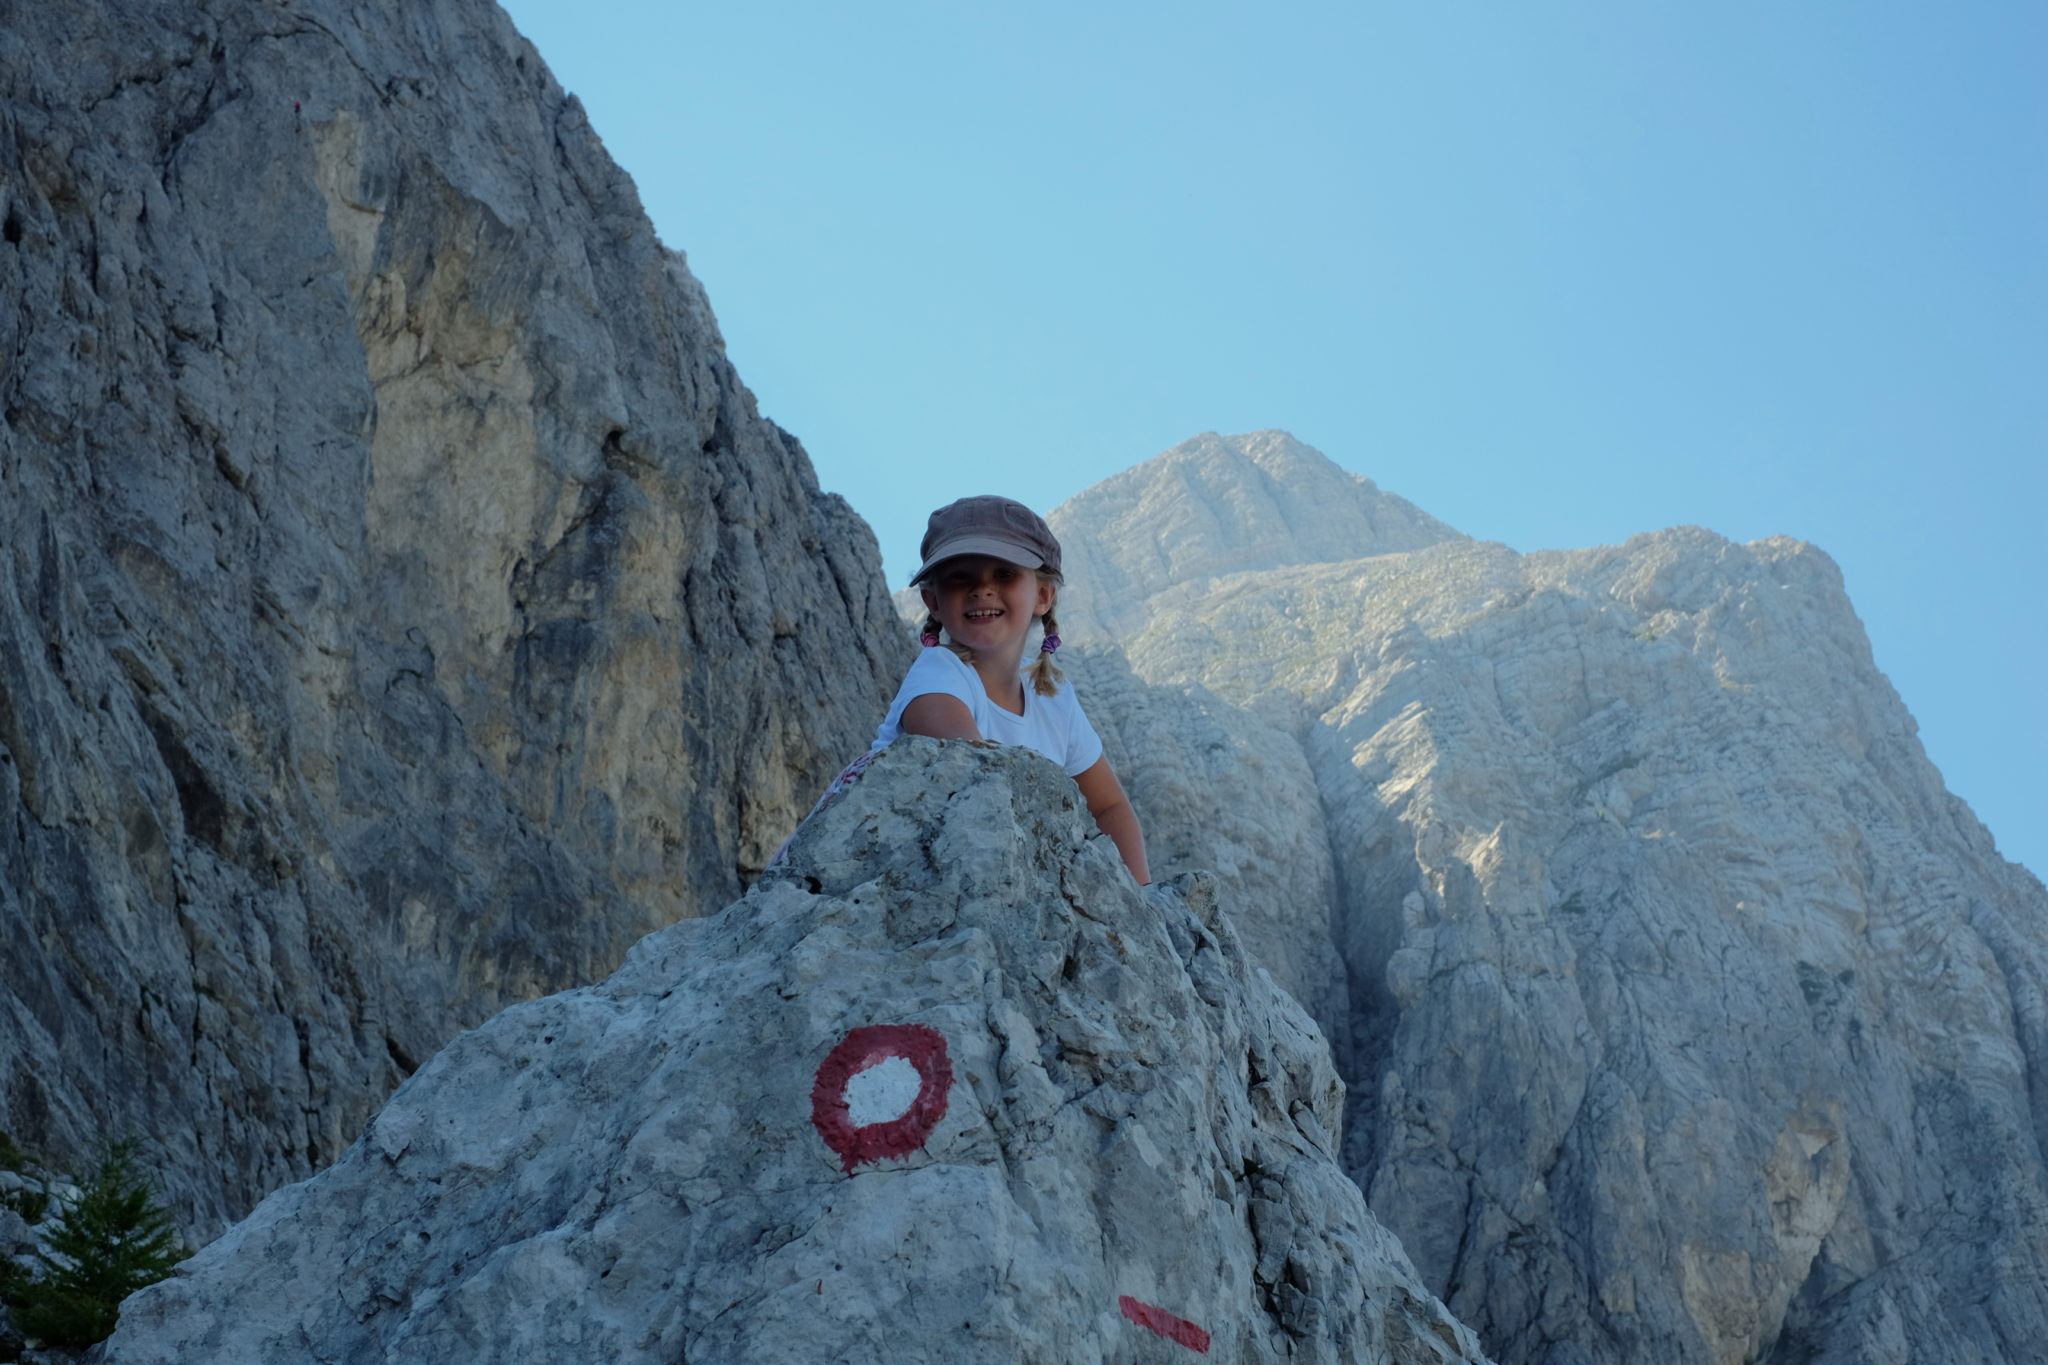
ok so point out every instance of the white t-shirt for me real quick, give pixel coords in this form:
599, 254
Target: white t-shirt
1054, 726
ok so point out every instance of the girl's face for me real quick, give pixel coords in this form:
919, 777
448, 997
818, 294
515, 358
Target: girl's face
987, 604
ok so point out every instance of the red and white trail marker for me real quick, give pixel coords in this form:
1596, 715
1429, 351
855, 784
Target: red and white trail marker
881, 1092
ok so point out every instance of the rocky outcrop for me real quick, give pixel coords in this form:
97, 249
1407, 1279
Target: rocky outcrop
403, 607
1692, 1019
946, 1085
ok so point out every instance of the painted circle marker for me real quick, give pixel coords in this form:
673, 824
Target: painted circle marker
880, 1093
1161, 1323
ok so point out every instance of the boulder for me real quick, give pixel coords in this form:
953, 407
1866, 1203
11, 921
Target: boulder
944, 1085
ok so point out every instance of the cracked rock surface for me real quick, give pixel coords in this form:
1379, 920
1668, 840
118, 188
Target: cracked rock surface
1137, 1141
403, 606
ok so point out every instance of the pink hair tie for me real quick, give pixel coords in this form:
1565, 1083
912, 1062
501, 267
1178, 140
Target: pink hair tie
928, 640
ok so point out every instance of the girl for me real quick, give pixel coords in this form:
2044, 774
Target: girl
992, 570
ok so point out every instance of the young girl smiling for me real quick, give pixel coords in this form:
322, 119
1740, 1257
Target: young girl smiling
991, 571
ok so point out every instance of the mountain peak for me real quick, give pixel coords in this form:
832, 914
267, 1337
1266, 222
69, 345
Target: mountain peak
1217, 504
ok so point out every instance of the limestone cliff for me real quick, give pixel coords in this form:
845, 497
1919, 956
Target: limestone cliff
403, 607
1690, 1018
946, 1086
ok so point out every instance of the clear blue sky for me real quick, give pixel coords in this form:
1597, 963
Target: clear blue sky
1558, 273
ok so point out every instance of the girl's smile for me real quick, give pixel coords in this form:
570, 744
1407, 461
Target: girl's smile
987, 604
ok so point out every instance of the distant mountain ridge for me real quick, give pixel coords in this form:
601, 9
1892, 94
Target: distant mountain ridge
1681, 1006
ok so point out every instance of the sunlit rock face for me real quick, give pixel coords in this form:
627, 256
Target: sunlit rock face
1690, 1018
403, 607
944, 1086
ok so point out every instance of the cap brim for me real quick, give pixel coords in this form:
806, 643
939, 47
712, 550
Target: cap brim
1009, 551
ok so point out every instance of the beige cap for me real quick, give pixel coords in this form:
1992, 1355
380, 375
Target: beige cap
1001, 528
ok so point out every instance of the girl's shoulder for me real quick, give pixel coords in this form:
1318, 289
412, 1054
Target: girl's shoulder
937, 659
940, 669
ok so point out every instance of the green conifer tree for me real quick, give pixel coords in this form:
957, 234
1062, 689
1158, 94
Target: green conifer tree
111, 1241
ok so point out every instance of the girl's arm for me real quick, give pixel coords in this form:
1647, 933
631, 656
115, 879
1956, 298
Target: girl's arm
940, 716
1112, 810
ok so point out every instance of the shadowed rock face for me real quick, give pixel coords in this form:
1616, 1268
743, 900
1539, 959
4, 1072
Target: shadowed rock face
1690, 1018
1110, 1140
403, 607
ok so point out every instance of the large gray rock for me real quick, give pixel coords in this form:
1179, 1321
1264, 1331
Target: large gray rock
403, 607
946, 1086
1694, 1020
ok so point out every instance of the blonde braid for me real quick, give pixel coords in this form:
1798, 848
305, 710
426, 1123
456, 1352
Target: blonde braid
1045, 674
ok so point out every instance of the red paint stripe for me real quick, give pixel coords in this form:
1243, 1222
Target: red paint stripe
1162, 1323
